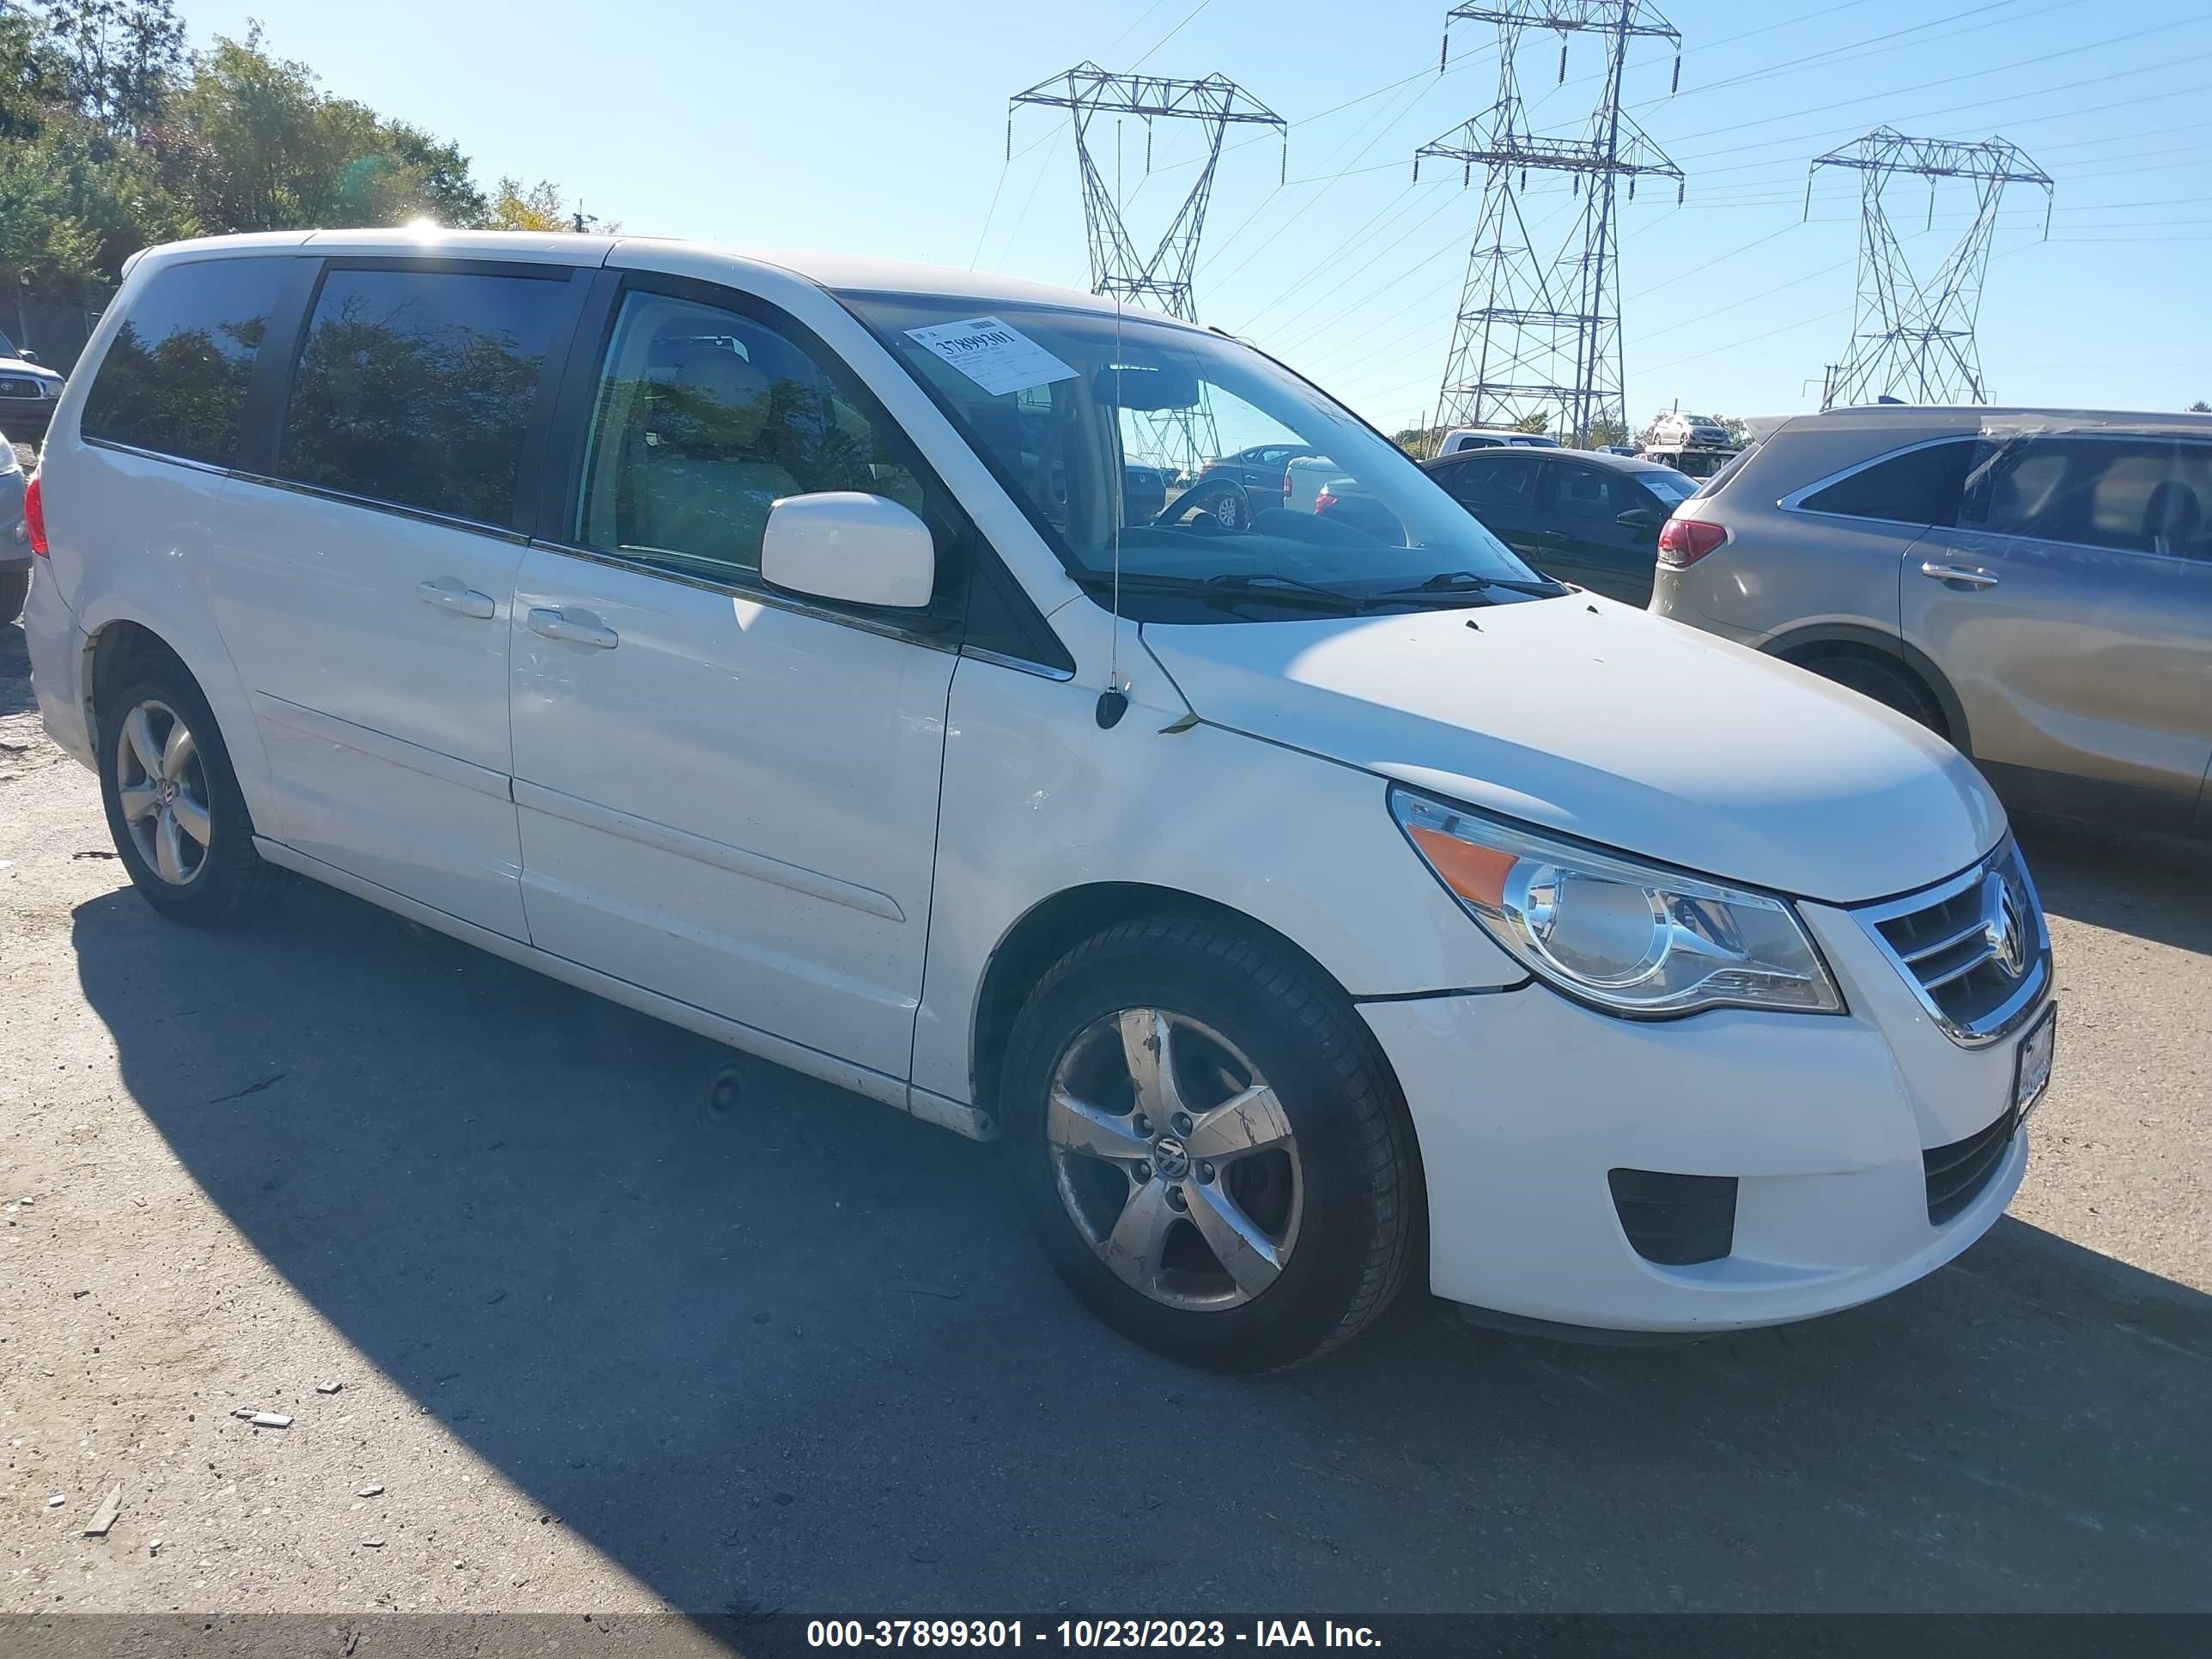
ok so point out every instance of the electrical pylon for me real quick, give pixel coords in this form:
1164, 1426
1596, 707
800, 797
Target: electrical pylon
1163, 278
1912, 340
1537, 336
1185, 438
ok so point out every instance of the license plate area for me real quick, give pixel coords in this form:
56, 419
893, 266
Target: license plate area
2032, 1063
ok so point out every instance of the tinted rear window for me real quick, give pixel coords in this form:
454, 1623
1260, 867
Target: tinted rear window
417, 387
174, 377
1921, 486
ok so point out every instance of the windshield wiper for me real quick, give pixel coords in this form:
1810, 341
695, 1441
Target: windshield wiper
1456, 584
1229, 589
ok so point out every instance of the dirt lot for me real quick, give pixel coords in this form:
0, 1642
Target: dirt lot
598, 1350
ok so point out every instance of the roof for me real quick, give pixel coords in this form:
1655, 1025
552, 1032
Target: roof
1595, 457
1972, 417
850, 273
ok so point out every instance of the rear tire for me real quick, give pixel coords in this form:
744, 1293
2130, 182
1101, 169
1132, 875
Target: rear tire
1286, 1149
1893, 687
173, 807
14, 587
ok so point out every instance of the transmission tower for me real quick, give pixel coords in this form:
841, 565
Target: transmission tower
1180, 438
1914, 340
1163, 278
1537, 334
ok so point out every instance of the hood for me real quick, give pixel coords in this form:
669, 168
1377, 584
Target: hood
16, 365
1613, 725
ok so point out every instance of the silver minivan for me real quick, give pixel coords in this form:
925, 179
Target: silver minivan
2036, 584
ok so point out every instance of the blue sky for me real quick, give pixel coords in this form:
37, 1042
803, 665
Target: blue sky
880, 128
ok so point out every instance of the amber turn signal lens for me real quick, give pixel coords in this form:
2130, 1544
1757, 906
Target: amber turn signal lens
1477, 874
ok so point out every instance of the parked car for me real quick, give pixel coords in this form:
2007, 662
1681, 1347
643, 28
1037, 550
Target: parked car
1304, 480
28, 390
14, 536
1475, 437
2034, 584
1699, 463
1236, 486
1307, 912
1581, 515
1675, 430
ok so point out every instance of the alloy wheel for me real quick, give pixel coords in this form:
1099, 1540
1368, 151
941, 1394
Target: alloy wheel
162, 783
1175, 1159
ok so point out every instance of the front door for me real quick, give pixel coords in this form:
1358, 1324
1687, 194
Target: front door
1585, 540
361, 577
2072, 610
728, 795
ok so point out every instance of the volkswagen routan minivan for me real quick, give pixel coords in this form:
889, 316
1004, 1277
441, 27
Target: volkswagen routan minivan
769, 643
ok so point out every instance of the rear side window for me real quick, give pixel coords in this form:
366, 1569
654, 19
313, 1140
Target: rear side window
417, 387
2133, 494
1920, 486
174, 377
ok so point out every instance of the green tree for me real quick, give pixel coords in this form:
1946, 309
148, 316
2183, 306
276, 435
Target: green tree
1604, 431
1419, 441
2200, 407
1537, 424
121, 57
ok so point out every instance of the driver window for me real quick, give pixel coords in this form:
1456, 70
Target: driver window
704, 419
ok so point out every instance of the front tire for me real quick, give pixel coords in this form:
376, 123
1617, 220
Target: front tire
1209, 1146
1893, 688
179, 823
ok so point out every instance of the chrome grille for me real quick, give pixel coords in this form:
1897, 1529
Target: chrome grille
14, 388
1975, 949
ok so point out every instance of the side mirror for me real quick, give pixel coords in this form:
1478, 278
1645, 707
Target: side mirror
841, 545
1638, 518
24, 354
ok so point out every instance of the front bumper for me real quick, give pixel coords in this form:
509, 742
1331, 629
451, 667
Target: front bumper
1524, 1102
59, 666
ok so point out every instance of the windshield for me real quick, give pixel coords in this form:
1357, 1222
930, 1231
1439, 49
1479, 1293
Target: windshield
1140, 436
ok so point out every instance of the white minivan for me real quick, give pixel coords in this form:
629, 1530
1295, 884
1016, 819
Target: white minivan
769, 643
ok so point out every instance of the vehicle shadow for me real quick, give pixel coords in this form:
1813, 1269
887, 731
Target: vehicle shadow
804, 1358
2154, 890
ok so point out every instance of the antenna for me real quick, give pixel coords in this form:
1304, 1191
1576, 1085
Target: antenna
1114, 701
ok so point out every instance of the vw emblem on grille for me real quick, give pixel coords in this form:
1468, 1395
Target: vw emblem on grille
2004, 924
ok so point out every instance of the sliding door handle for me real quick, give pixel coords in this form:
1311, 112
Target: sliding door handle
450, 593
582, 628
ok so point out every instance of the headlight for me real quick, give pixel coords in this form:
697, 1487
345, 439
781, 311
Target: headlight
1633, 939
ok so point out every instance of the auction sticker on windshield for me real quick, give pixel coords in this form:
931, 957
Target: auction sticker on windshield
997, 357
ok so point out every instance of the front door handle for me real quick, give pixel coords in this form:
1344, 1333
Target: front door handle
1551, 535
1959, 576
450, 593
583, 628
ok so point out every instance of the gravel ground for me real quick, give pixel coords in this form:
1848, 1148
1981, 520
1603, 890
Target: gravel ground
598, 1350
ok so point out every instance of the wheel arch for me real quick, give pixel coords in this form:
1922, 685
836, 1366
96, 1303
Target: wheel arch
1803, 646
1053, 926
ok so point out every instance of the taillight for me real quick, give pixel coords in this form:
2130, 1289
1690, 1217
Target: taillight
1323, 502
1685, 541
34, 514
1286, 486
